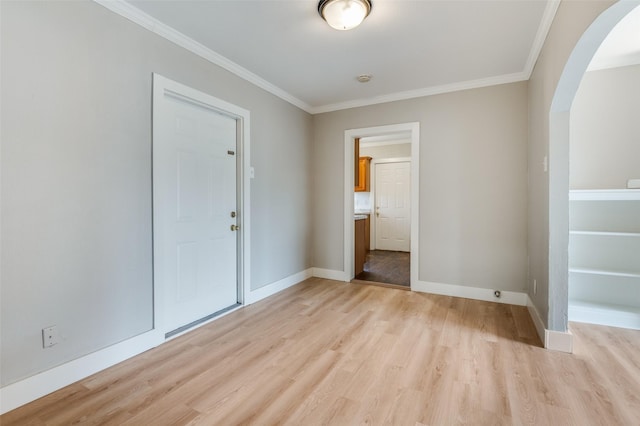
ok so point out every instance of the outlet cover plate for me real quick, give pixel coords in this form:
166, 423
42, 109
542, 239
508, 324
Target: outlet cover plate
50, 336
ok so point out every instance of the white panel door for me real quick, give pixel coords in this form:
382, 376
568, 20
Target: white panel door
195, 189
393, 213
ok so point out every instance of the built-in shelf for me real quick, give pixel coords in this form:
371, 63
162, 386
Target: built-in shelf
604, 194
606, 233
604, 257
604, 314
604, 272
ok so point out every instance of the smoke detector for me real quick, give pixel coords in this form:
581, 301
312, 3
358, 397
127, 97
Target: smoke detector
363, 78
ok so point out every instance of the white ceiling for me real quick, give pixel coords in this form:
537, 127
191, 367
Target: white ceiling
622, 45
411, 48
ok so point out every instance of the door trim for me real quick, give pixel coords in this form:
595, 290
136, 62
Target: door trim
349, 141
162, 86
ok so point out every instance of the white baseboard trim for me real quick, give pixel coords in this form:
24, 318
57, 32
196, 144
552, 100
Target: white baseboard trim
537, 319
553, 340
278, 286
476, 293
561, 341
330, 274
16, 394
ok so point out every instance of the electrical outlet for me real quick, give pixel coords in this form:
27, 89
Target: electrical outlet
50, 336
535, 286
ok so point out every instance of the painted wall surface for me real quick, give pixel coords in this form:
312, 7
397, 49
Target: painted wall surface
571, 21
605, 130
76, 177
386, 151
473, 183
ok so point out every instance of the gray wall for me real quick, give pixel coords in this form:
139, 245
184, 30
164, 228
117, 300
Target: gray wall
473, 183
386, 151
605, 130
76, 177
570, 22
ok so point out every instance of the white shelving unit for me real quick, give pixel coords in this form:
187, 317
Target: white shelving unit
604, 257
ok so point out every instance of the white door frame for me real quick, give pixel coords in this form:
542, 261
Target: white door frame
163, 86
372, 186
349, 148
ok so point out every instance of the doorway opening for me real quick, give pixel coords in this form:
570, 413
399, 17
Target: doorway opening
381, 205
387, 204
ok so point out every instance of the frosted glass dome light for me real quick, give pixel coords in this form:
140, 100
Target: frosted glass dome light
344, 14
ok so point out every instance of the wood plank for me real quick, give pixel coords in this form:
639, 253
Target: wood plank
326, 352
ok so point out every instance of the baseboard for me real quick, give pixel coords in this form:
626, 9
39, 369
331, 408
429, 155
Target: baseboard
561, 341
537, 319
278, 286
14, 395
330, 274
476, 293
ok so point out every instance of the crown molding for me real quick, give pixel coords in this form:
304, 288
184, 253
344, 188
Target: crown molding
427, 91
541, 35
146, 21
126, 10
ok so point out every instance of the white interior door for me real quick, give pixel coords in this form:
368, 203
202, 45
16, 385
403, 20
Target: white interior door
392, 206
194, 178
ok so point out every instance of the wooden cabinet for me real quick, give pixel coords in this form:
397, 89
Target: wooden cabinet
359, 245
363, 175
367, 234
604, 257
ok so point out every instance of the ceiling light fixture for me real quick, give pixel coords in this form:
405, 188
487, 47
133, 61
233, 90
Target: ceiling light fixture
344, 14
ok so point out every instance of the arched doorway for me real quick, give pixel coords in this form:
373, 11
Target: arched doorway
559, 137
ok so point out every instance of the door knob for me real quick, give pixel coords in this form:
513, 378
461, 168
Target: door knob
235, 227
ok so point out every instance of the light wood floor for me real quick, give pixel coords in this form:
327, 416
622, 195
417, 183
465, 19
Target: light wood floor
325, 352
